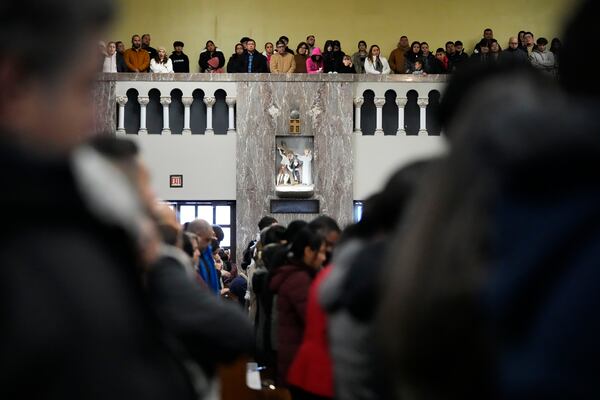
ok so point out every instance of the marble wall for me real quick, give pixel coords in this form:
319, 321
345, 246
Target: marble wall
106, 106
263, 111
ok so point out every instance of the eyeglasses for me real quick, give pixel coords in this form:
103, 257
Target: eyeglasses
280, 47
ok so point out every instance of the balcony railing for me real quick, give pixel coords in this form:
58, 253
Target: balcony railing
206, 103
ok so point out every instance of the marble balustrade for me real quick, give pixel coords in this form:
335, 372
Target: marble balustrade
112, 97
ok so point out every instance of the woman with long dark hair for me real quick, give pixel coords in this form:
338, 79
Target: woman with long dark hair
375, 63
411, 56
291, 283
211, 52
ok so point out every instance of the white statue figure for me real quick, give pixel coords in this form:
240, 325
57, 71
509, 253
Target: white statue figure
306, 167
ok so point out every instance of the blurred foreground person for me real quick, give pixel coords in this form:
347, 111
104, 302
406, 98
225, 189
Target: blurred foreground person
75, 323
351, 293
494, 291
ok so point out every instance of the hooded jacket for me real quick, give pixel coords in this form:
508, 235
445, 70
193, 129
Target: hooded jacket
313, 67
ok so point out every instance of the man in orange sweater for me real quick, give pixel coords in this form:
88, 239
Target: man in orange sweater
396, 58
136, 58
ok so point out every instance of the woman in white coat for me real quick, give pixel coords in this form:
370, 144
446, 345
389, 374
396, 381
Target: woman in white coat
374, 64
161, 64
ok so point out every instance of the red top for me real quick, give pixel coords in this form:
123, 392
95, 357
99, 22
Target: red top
312, 368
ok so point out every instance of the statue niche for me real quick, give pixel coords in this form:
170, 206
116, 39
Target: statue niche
294, 159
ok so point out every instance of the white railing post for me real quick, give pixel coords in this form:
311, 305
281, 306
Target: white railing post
423, 102
165, 101
210, 102
143, 103
379, 102
187, 103
230, 103
358, 102
121, 100
401, 103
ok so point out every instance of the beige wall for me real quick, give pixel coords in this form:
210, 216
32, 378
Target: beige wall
381, 22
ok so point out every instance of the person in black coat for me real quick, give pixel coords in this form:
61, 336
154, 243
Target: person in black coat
76, 323
210, 51
347, 67
181, 62
236, 61
213, 330
253, 61
514, 54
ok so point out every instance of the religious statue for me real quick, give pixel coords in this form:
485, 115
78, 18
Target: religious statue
306, 161
293, 167
283, 177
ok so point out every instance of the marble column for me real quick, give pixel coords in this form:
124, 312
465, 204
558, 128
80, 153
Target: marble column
210, 102
230, 103
121, 100
379, 102
401, 103
143, 103
423, 102
358, 102
187, 103
165, 101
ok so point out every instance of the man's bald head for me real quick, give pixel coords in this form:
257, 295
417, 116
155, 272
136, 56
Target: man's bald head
203, 230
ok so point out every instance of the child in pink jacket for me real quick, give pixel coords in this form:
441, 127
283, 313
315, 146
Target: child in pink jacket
314, 64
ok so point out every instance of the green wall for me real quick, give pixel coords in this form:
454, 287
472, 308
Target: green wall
378, 22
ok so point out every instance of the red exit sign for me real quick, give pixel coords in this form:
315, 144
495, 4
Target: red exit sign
176, 181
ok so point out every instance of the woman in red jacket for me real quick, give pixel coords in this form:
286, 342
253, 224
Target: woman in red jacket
291, 283
312, 372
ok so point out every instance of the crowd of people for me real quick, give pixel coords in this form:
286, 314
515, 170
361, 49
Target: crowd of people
416, 58
470, 275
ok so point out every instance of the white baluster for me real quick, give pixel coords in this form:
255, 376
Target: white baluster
165, 101
121, 100
401, 103
423, 102
210, 102
230, 103
358, 102
143, 103
187, 103
379, 102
